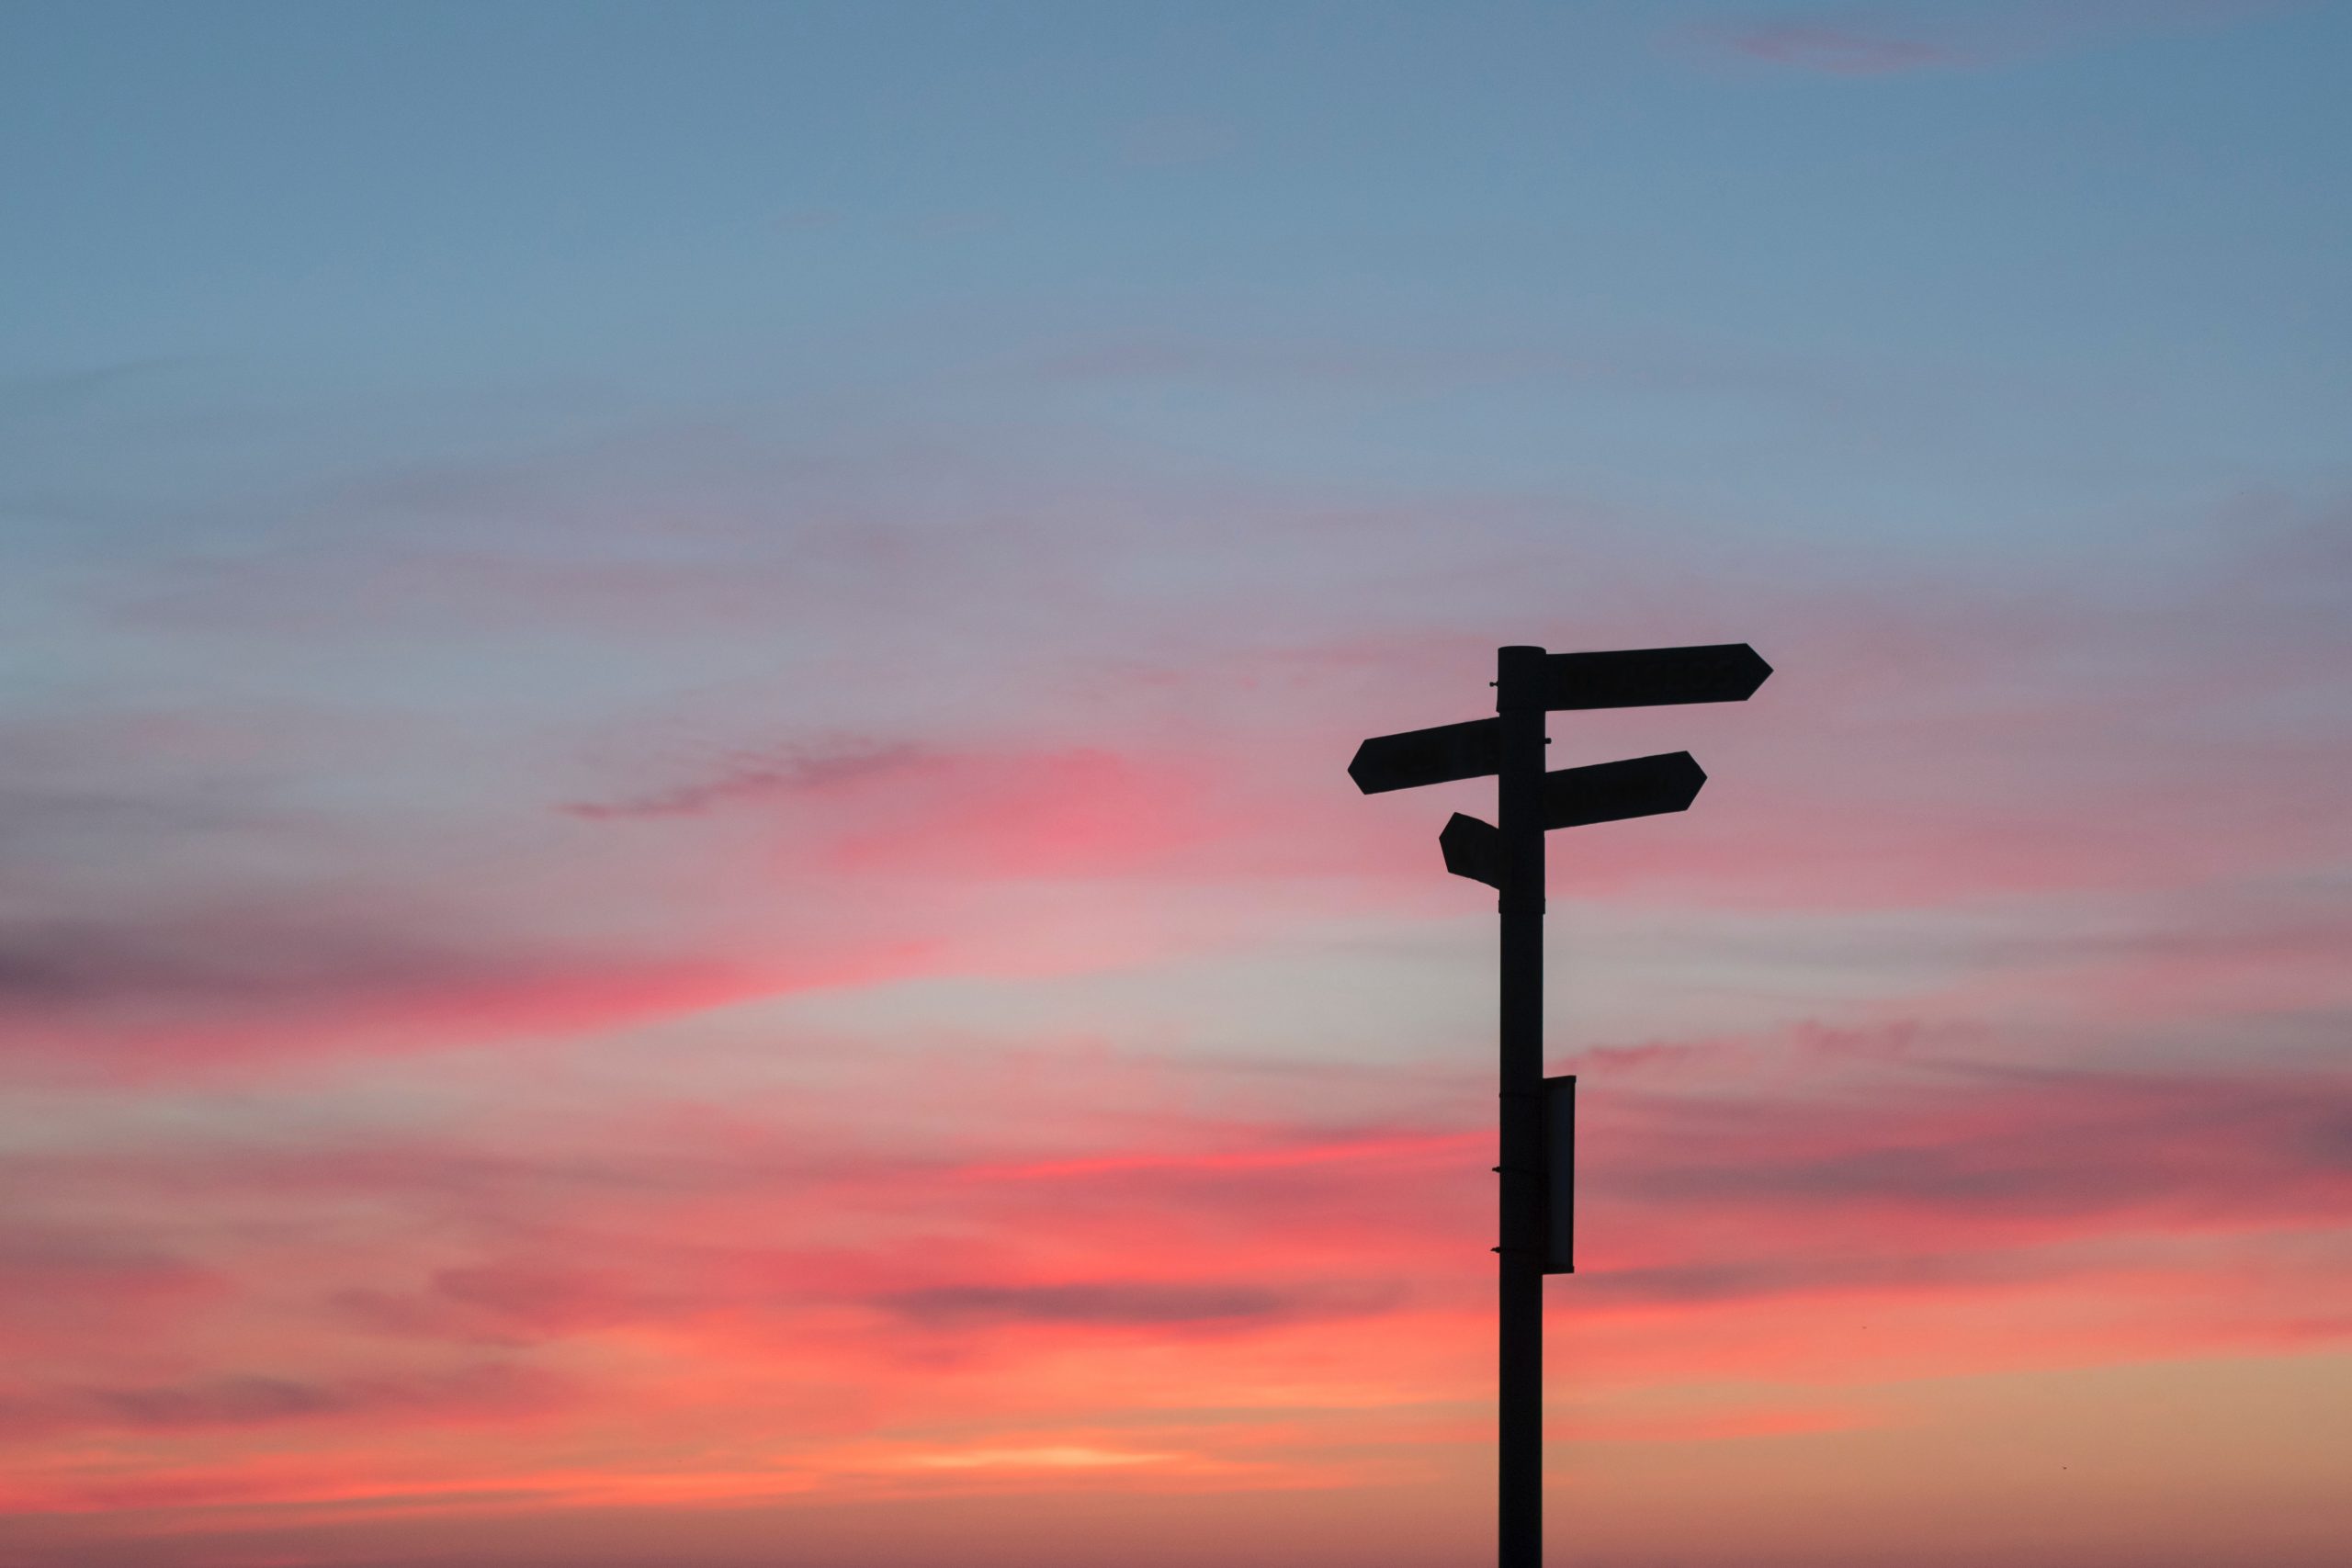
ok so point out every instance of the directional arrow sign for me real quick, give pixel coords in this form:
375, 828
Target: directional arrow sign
1473, 849
1577, 797
1610, 792
1428, 756
1653, 677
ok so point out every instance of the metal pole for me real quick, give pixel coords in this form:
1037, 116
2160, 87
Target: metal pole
1519, 809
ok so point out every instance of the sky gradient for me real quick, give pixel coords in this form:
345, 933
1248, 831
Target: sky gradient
676, 882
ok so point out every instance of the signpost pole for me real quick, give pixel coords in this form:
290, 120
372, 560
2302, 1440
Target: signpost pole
1519, 705
1537, 1165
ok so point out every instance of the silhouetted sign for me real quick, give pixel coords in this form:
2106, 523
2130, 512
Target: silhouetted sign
1473, 849
1653, 677
1560, 1174
1537, 1116
1577, 797
1610, 792
1418, 757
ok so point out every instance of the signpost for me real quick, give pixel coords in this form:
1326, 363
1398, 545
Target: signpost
1538, 1114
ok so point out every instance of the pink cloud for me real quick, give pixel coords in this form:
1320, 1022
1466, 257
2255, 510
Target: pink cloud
1083, 812
67, 1288
109, 999
867, 807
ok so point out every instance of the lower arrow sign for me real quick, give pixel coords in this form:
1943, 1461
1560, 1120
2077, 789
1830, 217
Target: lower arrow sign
1577, 797
1610, 792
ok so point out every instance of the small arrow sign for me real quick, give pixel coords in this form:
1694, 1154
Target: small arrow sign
1610, 792
1428, 756
1653, 677
1473, 849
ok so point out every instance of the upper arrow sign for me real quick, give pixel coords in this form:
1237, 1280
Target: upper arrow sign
1428, 756
1610, 792
1653, 677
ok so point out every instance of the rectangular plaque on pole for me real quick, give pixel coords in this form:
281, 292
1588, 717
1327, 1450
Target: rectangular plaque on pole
1560, 1174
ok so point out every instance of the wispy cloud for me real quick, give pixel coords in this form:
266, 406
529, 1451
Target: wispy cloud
1890, 41
133, 996
1835, 51
764, 776
1123, 1304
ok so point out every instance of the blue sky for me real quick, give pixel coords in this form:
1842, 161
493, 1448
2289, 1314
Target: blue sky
1486, 246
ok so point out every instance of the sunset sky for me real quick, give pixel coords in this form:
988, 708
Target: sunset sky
677, 888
